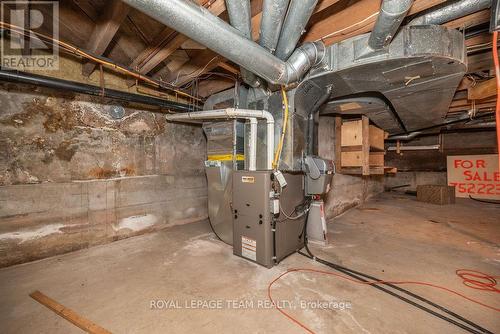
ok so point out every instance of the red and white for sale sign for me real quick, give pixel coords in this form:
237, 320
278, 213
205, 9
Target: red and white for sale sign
474, 175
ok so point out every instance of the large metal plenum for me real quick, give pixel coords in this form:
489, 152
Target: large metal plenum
415, 77
224, 144
294, 146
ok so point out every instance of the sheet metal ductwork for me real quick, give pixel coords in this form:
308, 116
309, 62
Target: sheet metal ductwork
392, 13
414, 79
240, 18
414, 76
449, 11
273, 15
200, 25
299, 13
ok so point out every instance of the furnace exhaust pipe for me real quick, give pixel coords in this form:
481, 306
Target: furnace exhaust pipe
200, 25
232, 113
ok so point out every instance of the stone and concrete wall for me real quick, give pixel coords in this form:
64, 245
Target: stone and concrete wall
348, 191
72, 176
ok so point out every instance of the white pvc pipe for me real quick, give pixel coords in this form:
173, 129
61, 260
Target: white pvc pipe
252, 146
231, 113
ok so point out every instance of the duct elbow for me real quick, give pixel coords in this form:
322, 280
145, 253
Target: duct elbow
303, 58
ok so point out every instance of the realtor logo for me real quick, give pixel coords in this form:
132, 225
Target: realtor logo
30, 30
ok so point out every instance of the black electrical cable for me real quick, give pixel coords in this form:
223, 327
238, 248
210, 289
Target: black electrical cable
451, 122
218, 237
358, 275
484, 201
213, 230
77, 87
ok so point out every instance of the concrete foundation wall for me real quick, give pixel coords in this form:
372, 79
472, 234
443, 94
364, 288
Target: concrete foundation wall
348, 191
72, 176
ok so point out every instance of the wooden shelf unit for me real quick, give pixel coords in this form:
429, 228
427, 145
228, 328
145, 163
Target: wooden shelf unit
359, 147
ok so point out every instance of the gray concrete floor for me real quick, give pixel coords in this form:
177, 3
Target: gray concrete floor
392, 237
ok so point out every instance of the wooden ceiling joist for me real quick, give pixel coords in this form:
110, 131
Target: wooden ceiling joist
483, 90
174, 58
217, 8
87, 8
204, 62
356, 19
105, 29
470, 20
209, 87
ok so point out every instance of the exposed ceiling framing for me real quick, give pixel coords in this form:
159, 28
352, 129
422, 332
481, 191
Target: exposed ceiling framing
114, 30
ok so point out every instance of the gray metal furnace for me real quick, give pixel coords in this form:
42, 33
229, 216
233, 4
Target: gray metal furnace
260, 233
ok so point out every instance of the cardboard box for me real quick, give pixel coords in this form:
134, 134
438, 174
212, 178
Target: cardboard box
436, 194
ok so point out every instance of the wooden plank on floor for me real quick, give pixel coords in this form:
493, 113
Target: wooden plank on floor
68, 314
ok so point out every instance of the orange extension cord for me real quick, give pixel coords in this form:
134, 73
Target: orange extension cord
497, 74
471, 278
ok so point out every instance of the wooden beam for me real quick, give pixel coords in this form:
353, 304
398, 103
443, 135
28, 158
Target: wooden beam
229, 68
68, 314
365, 134
465, 84
87, 8
324, 4
490, 105
338, 144
470, 20
468, 103
480, 62
356, 19
104, 31
483, 38
209, 87
157, 44
216, 8
482, 90
204, 62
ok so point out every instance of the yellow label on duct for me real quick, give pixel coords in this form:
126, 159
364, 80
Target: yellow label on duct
225, 157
